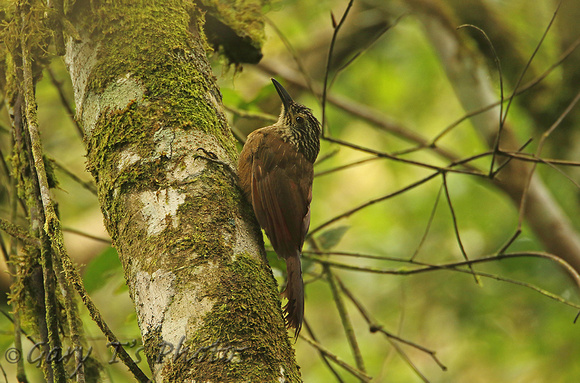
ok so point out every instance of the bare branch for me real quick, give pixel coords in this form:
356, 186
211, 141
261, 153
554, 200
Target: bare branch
456, 226
345, 319
371, 202
362, 376
426, 267
375, 327
323, 356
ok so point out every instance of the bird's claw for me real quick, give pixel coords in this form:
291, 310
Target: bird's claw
206, 154
212, 157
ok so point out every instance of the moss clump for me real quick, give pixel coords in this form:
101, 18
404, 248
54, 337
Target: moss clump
244, 17
173, 69
152, 345
235, 28
114, 131
236, 344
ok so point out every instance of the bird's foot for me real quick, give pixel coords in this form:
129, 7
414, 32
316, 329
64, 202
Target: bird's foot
212, 157
207, 155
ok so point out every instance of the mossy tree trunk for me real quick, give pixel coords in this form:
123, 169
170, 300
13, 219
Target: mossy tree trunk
206, 300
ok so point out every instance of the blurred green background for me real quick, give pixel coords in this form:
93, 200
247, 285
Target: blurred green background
493, 332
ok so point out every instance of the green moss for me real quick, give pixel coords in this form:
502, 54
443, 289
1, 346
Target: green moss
176, 84
205, 219
25, 289
152, 344
115, 131
244, 296
177, 89
244, 17
246, 319
235, 28
200, 216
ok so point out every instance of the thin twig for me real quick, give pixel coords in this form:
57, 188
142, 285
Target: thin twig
347, 144
73, 276
409, 362
345, 319
532, 171
346, 166
516, 92
337, 28
371, 202
18, 232
568, 177
323, 356
64, 100
393, 339
322, 158
529, 62
375, 327
293, 53
371, 42
429, 222
87, 235
425, 267
246, 114
518, 82
90, 186
4, 373
506, 162
336, 359
383, 122
501, 97
531, 157
13, 320
361, 111
456, 226
48, 259
17, 276
251, 114
73, 321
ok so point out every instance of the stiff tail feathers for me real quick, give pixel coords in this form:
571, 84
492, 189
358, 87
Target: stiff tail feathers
294, 292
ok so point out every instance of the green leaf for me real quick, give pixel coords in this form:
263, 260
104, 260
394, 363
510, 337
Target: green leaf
7, 334
101, 268
331, 238
231, 97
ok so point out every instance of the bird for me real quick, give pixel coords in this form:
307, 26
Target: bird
276, 171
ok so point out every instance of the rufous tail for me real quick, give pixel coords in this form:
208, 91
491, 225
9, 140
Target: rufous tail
294, 292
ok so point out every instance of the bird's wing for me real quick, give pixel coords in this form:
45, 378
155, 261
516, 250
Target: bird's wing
281, 191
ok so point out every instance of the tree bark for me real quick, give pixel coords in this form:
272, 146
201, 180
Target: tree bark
206, 301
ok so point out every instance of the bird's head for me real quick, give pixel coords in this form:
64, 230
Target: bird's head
304, 127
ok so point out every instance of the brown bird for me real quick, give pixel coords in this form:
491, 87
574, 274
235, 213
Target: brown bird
276, 172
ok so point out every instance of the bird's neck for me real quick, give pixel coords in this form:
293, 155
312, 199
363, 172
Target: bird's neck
305, 141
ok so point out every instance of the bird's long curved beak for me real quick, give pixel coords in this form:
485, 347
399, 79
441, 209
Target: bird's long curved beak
286, 99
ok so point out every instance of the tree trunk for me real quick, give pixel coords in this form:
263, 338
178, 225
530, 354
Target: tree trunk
206, 300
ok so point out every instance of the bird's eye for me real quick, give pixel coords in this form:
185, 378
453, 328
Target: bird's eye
299, 120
